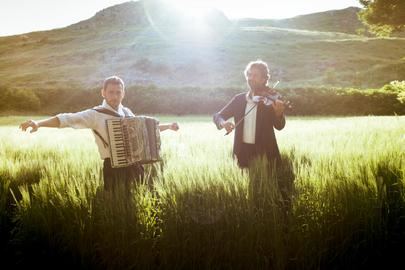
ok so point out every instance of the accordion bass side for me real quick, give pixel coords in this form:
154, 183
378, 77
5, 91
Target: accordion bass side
133, 140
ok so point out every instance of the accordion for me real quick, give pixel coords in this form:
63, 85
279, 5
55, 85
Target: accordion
133, 140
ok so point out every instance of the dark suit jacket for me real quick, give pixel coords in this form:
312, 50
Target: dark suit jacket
265, 121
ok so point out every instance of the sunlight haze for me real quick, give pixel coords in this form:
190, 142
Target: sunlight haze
22, 16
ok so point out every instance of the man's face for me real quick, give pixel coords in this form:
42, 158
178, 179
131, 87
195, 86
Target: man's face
113, 95
255, 79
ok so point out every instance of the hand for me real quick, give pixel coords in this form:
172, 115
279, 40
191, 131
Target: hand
174, 126
279, 107
229, 126
30, 123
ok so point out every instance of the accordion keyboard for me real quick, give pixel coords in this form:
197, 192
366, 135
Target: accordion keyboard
117, 144
132, 140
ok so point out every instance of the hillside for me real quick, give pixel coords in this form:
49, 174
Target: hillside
146, 43
344, 21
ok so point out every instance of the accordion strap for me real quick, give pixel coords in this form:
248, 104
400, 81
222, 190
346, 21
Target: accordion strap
106, 111
101, 138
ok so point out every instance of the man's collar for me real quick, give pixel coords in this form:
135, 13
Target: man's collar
249, 96
107, 106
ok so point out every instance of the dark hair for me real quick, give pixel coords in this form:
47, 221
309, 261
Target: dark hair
113, 80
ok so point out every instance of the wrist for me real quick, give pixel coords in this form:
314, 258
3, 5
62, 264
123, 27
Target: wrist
222, 123
36, 123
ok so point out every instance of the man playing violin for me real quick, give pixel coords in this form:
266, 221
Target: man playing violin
256, 113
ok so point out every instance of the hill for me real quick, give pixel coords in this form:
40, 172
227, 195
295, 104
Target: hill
147, 43
344, 21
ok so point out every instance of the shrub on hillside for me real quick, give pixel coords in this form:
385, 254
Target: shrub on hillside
24, 100
324, 101
388, 100
394, 86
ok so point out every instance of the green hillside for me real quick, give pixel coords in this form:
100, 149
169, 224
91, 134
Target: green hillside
344, 20
138, 44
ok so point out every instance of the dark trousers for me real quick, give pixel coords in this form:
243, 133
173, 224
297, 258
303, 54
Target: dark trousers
126, 176
250, 152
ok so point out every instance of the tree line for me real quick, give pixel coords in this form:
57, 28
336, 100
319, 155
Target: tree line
388, 100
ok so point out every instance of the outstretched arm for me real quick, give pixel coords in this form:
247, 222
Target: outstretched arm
34, 125
173, 126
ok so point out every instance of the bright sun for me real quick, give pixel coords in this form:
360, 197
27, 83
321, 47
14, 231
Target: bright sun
193, 8
191, 20
231, 8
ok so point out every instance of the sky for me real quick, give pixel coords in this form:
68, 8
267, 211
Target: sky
22, 16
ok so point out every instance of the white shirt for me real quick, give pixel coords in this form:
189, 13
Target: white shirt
249, 123
94, 120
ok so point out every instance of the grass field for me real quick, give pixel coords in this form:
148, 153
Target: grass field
344, 178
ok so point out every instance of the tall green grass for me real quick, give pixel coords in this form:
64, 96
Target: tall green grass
337, 199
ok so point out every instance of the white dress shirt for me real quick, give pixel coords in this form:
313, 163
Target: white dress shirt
94, 120
249, 123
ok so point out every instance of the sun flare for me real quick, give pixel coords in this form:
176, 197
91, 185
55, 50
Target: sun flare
177, 20
196, 9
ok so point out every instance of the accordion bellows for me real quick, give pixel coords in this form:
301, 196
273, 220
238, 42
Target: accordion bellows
133, 140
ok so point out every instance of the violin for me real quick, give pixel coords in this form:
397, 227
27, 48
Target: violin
269, 96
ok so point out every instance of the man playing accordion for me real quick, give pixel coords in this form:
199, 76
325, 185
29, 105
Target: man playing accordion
113, 92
